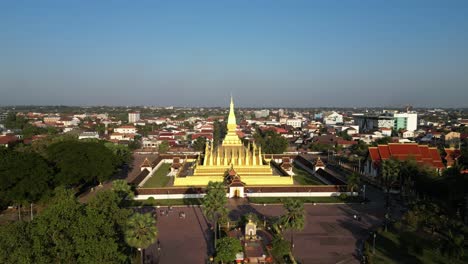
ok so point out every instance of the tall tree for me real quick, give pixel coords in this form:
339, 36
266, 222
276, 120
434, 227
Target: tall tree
122, 189
227, 248
141, 231
271, 142
294, 218
24, 177
214, 204
390, 171
69, 232
81, 162
353, 181
163, 147
199, 144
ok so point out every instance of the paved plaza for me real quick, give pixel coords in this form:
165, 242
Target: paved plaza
331, 234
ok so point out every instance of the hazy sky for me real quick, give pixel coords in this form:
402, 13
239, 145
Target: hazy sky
267, 53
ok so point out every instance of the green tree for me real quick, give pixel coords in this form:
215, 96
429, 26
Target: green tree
390, 171
24, 177
214, 204
320, 147
15, 243
14, 121
280, 248
353, 182
141, 231
227, 248
163, 147
382, 141
199, 144
121, 152
453, 245
122, 189
271, 142
294, 218
81, 162
361, 149
69, 232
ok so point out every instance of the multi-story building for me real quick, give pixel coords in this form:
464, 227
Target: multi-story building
133, 117
294, 122
407, 121
125, 130
333, 118
262, 113
372, 123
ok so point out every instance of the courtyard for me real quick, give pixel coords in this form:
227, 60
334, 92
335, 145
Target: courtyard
331, 233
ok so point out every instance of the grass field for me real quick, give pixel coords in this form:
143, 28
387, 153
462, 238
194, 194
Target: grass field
302, 177
333, 199
167, 202
408, 247
159, 178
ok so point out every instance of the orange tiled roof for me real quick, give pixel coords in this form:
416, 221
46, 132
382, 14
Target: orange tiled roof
421, 153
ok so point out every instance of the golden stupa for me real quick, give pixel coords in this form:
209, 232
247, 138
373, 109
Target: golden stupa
247, 162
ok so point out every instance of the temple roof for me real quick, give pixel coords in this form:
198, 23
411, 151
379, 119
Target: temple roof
319, 163
421, 153
146, 163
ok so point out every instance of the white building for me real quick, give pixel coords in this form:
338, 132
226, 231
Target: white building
262, 113
133, 117
407, 121
85, 135
294, 122
125, 130
333, 119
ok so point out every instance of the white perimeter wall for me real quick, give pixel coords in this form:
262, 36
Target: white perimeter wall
259, 194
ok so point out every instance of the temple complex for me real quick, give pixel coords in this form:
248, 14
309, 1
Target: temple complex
247, 161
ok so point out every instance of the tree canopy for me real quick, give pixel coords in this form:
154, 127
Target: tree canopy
227, 248
67, 232
80, 162
24, 177
271, 142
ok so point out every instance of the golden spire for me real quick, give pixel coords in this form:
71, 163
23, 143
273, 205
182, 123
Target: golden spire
232, 139
232, 117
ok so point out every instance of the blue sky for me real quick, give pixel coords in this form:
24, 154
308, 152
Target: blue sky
267, 53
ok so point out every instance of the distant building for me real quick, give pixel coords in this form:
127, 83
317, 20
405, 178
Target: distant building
125, 130
333, 119
3, 116
407, 121
86, 135
294, 122
372, 123
262, 113
133, 117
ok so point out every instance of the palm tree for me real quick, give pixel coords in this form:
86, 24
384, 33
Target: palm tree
214, 204
452, 246
294, 219
390, 174
141, 231
353, 182
122, 189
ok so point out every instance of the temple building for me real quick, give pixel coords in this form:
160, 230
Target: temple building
247, 161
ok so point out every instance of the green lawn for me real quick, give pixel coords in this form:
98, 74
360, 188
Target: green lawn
159, 178
302, 177
408, 247
167, 202
333, 199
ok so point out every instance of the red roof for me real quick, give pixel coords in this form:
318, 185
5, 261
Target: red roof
421, 153
7, 139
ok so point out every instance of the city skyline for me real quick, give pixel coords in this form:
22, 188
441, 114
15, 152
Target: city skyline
268, 54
